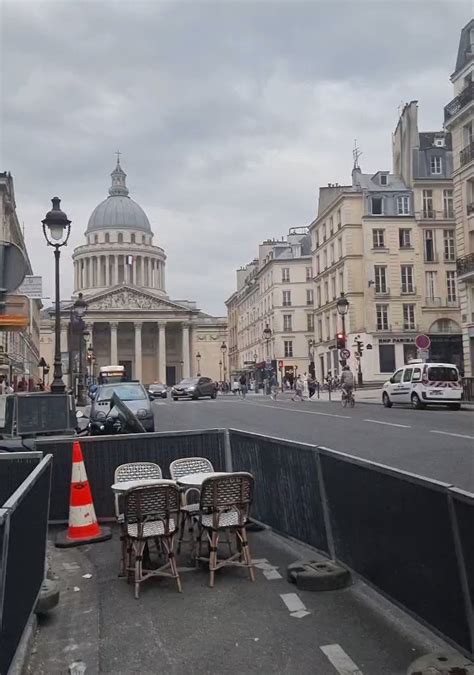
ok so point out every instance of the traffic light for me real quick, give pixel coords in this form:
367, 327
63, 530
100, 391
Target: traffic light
340, 341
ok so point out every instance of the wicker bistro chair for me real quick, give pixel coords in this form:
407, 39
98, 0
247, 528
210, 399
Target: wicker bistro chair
178, 469
152, 512
130, 471
224, 507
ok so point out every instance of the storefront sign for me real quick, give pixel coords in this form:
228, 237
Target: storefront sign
396, 340
32, 287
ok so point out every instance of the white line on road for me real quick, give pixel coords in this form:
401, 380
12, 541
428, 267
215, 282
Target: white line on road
447, 433
389, 424
306, 412
293, 602
340, 660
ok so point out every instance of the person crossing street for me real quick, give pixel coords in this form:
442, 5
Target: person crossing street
299, 388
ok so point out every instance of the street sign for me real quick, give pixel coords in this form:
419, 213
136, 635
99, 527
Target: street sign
345, 353
13, 266
32, 287
422, 341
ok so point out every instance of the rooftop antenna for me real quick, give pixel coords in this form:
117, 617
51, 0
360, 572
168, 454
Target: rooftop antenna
356, 153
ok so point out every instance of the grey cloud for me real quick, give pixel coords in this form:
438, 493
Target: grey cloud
229, 114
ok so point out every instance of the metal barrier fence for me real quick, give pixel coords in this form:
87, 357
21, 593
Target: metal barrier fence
103, 454
14, 468
409, 537
23, 534
468, 388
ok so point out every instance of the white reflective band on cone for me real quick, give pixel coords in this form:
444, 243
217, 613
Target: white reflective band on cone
79, 474
81, 515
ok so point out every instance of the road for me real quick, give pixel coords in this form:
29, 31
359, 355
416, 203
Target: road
436, 443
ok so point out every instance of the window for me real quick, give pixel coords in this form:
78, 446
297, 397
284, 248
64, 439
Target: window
96, 238
376, 206
436, 165
431, 286
403, 205
320, 330
429, 245
288, 347
309, 296
339, 247
407, 279
448, 204
144, 239
451, 286
428, 204
449, 246
387, 358
407, 374
339, 219
285, 273
333, 287
397, 377
380, 273
286, 298
120, 238
382, 317
310, 322
409, 317
341, 281
331, 226
318, 269
416, 374
383, 179
468, 134
287, 322
331, 254
325, 260
378, 238
404, 238
309, 273
107, 237
132, 238
326, 292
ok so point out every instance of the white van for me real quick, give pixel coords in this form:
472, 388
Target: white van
424, 384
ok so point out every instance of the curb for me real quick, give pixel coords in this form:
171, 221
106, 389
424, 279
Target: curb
25, 648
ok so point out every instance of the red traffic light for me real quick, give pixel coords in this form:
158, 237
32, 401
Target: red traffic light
340, 341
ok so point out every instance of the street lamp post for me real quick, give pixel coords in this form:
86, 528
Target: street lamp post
342, 309
220, 371
198, 359
267, 336
224, 364
91, 360
56, 230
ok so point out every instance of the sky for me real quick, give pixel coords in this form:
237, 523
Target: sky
229, 115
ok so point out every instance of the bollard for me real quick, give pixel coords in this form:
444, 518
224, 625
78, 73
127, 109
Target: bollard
329, 389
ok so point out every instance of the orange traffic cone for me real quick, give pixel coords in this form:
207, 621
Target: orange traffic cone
83, 526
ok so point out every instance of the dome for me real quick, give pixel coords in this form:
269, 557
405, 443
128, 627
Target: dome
118, 211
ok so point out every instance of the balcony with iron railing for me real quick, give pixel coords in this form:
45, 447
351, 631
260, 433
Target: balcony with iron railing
435, 302
459, 102
467, 154
465, 267
431, 214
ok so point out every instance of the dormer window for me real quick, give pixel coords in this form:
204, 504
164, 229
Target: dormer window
383, 179
439, 142
107, 237
376, 204
120, 238
132, 238
436, 165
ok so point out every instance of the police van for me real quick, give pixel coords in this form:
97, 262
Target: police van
423, 384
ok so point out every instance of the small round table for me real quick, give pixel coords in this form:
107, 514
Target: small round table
126, 485
197, 479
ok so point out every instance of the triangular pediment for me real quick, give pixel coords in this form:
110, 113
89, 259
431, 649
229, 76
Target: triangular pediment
126, 298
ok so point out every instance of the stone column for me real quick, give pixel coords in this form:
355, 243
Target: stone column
113, 344
134, 270
185, 351
162, 352
106, 272
138, 351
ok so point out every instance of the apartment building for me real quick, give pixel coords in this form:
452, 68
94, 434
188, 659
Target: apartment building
19, 349
270, 315
424, 160
459, 121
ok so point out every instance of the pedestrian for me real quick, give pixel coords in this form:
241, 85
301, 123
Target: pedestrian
274, 388
347, 382
243, 385
235, 387
299, 387
311, 385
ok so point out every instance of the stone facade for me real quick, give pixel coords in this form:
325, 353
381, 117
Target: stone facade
459, 121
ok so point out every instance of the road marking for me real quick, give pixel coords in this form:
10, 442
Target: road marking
272, 574
340, 660
389, 424
447, 433
306, 412
293, 602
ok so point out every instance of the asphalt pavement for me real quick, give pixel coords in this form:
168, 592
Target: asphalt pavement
436, 443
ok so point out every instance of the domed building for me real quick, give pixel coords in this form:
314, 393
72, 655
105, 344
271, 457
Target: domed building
130, 318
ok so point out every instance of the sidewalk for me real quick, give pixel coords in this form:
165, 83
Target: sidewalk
237, 627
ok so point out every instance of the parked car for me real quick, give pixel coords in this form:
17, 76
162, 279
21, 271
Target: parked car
157, 390
194, 388
135, 397
423, 384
